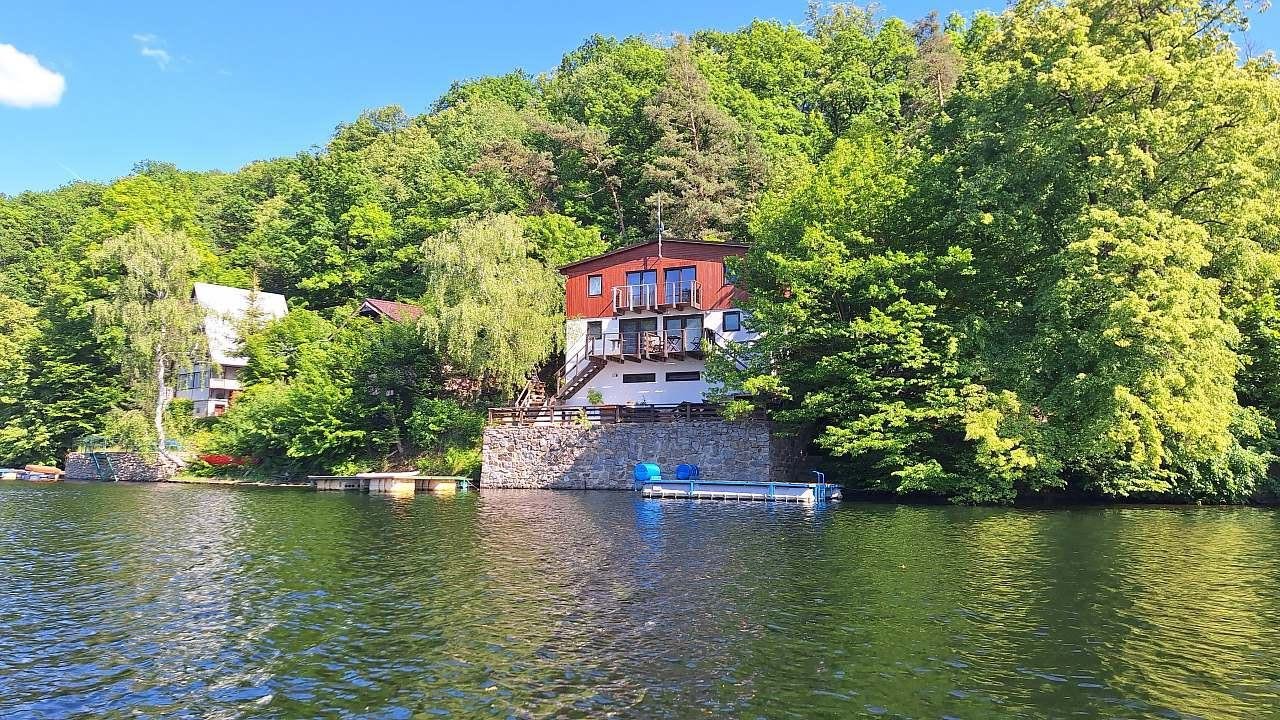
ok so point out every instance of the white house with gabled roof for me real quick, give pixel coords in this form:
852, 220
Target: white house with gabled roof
213, 383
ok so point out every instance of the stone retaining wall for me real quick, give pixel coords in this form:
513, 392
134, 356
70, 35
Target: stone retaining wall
602, 457
129, 466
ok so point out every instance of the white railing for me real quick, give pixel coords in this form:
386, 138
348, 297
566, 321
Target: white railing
654, 296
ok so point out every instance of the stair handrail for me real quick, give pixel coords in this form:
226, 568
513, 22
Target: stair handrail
728, 346
562, 373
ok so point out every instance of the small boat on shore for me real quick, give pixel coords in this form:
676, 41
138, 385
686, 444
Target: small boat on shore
227, 461
34, 473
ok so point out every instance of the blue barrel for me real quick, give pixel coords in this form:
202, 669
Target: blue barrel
648, 472
685, 471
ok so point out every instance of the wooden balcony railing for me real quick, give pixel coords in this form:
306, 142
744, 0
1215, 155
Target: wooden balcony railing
603, 414
657, 297
647, 345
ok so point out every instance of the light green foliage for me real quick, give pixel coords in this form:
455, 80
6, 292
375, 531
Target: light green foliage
343, 399
995, 256
151, 309
492, 311
557, 240
275, 349
1112, 172
130, 430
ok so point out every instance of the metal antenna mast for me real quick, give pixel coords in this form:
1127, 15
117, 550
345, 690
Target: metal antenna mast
660, 225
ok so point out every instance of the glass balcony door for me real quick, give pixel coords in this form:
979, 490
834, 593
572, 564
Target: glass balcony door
632, 331
677, 284
642, 286
682, 333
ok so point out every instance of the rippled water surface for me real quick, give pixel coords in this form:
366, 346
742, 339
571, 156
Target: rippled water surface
182, 601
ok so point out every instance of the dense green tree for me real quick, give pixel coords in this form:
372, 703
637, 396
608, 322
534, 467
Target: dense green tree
152, 310
855, 344
1111, 170
492, 310
705, 170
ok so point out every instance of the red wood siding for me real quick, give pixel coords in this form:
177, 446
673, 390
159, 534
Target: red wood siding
613, 268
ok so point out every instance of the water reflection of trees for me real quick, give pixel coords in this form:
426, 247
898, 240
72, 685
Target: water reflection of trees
583, 604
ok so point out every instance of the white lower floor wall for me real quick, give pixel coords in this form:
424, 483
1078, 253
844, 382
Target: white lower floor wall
648, 382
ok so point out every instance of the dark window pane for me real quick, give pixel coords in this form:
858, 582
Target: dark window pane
730, 276
684, 376
639, 378
732, 321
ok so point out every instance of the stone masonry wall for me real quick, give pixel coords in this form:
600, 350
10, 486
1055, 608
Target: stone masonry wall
129, 466
602, 457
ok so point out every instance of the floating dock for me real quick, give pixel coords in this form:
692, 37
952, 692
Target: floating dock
812, 493
687, 484
391, 483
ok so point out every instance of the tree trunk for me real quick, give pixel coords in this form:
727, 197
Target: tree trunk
161, 403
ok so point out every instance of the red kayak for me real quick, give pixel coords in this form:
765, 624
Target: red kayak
226, 460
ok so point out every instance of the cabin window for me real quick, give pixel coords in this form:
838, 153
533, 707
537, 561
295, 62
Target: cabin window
595, 330
595, 285
684, 376
732, 321
630, 378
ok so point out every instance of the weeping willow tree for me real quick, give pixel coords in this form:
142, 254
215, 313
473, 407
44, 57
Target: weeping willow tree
491, 310
152, 310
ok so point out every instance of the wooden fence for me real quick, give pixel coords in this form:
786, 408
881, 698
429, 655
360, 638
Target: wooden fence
603, 414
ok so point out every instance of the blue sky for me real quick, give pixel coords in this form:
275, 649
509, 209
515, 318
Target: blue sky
216, 85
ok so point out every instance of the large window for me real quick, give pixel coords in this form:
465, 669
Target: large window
595, 330
595, 285
677, 285
630, 378
684, 376
641, 286
683, 333
732, 321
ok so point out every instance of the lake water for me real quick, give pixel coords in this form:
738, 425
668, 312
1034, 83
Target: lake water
207, 602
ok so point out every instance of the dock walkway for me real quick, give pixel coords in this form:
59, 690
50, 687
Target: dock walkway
394, 483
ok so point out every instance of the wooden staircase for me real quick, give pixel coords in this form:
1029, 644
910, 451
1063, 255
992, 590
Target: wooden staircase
537, 394
572, 385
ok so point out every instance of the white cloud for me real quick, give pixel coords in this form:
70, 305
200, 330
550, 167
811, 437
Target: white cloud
161, 57
25, 83
147, 46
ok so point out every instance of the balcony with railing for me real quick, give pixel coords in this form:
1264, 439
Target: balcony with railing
657, 297
648, 345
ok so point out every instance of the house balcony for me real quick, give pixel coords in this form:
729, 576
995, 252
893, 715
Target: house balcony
224, 384
662, 345
657, 297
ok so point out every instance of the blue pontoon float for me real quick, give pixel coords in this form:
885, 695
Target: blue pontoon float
688, 484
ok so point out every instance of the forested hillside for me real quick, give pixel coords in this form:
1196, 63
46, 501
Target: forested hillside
991, 256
